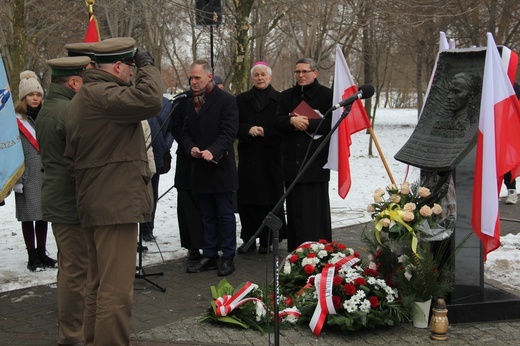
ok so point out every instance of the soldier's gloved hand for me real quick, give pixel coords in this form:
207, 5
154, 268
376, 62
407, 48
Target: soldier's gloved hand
142, 59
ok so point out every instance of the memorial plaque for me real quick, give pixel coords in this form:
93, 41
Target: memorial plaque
448, 126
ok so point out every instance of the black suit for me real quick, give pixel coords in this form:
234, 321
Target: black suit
214, 128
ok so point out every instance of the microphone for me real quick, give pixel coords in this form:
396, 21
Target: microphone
187, 94
365, 91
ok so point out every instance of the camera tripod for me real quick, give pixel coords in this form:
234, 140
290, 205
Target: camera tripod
139, 270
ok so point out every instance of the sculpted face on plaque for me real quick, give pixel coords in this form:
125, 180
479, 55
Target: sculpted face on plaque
459, 108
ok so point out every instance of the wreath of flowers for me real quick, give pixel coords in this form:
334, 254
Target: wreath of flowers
321, 283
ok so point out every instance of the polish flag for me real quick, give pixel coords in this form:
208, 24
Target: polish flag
357, 120
498, 147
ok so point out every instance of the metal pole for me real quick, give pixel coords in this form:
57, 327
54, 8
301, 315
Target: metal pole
211, 47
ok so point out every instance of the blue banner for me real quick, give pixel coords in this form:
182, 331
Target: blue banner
11, 153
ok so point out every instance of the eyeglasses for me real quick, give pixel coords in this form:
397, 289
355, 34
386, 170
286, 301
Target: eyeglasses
129, 61
298, 72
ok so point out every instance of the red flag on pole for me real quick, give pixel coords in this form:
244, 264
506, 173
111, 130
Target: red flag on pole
357, 120
92, 34
498, 147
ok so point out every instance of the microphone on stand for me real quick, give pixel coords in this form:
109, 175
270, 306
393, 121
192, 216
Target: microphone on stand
365, 91
187, 94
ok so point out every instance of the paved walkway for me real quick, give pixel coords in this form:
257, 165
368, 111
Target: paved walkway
28, 316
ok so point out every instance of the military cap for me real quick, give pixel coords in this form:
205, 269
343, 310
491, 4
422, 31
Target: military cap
68, 66
80, 49
113, 50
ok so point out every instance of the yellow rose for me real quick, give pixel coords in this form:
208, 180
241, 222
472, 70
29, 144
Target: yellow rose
409, 207
424, 192
405, 188
385, 222
395, 198
425, 211
379, 191
408, 216
391, 187
377, 198
437, 209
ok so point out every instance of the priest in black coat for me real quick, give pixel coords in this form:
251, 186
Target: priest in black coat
308, 204
260, 160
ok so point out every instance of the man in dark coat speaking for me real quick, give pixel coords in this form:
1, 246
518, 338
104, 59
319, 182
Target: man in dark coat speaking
210, 129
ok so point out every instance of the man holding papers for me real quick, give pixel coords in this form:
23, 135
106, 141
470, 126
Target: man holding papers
308, 205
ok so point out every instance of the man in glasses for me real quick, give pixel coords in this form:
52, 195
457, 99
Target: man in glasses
106, 154
308, 205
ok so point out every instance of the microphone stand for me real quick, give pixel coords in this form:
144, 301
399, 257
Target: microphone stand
274, 223
139, 272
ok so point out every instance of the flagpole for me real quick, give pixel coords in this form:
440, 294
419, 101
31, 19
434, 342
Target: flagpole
374, 138
90, 4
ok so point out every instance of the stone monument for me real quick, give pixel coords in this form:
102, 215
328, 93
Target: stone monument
443, 145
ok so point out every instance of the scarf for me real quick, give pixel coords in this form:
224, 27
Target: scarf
199, 97
33, 112
261, 96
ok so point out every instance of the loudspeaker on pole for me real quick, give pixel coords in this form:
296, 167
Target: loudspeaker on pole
208, 12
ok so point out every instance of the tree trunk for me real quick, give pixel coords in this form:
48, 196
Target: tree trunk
19, 45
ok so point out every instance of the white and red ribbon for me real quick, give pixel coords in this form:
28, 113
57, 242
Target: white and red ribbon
227, 303
324, 284
289, 311
345, 262
28, 131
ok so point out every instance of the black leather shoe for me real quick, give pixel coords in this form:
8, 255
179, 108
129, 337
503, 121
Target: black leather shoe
194, 255
226, 267
241, 248
148, 237
206, 263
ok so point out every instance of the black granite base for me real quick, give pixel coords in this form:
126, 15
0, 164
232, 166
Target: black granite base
493, 304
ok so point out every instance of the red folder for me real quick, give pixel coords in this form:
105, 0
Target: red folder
304, 109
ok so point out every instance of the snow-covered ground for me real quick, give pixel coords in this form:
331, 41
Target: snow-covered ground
393, 128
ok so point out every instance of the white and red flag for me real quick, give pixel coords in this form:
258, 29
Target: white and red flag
92, 34
357, 120
498, 147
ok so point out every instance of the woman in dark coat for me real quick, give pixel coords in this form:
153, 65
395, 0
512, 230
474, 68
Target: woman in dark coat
260, 160
188, 209
28, 188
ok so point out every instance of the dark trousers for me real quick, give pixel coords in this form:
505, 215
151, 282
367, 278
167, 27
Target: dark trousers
511, 185
218, 221
190, 220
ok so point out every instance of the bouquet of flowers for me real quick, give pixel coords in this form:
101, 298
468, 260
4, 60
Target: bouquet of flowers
405, 214
243, 307
400, 242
